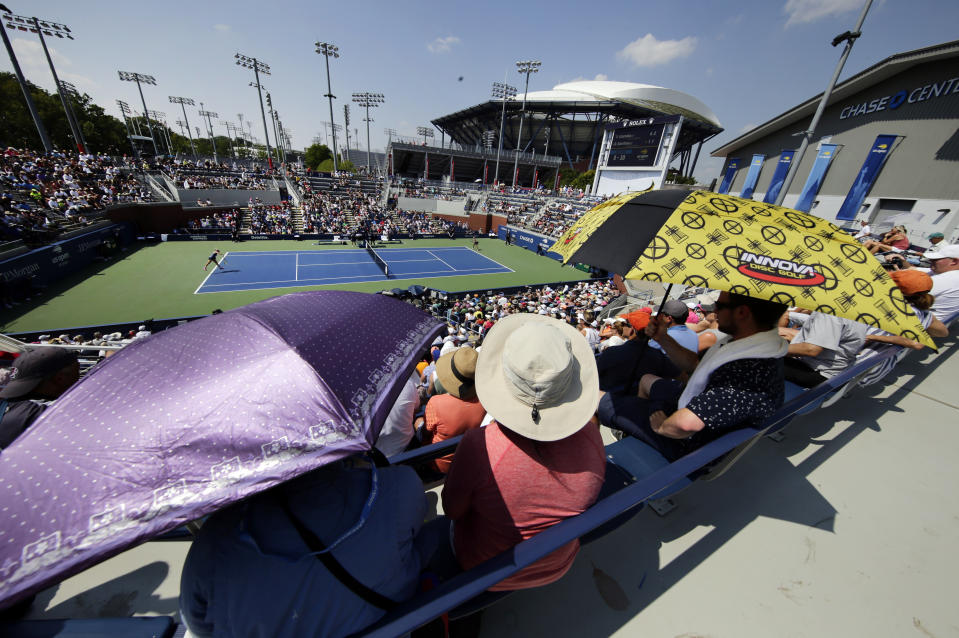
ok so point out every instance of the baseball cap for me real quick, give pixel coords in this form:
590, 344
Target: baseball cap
30, 369
949, 251
936, 235
676, 309
912, 281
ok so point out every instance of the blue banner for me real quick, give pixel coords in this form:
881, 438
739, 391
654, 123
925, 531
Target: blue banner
816, 175
728, 177
779, 176
867, 175
531, 241
752, 176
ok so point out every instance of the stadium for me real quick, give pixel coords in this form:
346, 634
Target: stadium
225, 368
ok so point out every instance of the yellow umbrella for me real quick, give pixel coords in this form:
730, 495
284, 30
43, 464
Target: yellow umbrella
727, 243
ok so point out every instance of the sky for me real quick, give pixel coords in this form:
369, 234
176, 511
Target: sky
747, 60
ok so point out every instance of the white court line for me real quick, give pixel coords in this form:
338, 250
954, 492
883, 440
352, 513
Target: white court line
342, 263
430, 252
203, 283
271, 253
296, 267
472, 251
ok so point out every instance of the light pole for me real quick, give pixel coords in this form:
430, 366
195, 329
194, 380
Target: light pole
231, 133
502, 91
182, 101
389, 152
488, 137
124, 111
328, 50
346, 122
41, 129
526, 67
258, 67
70, 90
849, 37
368, 100
209, 124
127, 76
160, 118
426, 132
276, 132
41, 28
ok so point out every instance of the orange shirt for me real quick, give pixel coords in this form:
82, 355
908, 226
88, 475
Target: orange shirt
446, 417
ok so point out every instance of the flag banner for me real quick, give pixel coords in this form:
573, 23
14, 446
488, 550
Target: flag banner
867, 175
752, 176
816, 175
452, 170
535, 178
427, 175
556, 181
485, 171
728, 177
779, 176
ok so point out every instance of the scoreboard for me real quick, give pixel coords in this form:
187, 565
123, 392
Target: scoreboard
636, 145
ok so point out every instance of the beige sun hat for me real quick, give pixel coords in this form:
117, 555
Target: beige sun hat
456, 372
537, 377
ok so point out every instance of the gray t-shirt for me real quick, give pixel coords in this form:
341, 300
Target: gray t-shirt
840, 339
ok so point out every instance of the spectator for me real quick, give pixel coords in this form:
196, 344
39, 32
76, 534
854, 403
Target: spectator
737, 383
864, 231
253, 568
621, 368
540, 461
824, 346
674, 313
38, 377
894, 241
458, 410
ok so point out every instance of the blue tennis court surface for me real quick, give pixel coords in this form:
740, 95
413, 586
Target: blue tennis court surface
290, 268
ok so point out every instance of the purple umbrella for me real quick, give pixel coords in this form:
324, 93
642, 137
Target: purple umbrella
186, 421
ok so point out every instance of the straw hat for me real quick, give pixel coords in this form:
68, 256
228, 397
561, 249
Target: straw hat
537, 377
456, 372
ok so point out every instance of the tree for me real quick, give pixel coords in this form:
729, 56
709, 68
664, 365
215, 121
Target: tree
316, 155
584, 181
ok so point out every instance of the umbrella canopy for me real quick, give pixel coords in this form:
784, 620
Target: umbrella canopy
179, 424
727, 243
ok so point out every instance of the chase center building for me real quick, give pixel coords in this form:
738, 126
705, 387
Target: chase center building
886, 149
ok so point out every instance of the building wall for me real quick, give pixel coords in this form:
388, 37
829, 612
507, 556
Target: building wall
923, 165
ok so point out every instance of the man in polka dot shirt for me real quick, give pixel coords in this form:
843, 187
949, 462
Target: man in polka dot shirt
738, 383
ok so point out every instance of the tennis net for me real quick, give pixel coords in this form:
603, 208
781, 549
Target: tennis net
378, 261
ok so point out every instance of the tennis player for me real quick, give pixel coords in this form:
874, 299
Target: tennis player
213, 260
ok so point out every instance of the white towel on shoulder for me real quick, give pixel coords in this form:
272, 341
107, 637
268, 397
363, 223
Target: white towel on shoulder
762, 345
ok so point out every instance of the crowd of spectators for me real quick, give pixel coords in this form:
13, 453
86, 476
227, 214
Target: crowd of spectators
222, 220
271, 219
42, 193
424, 191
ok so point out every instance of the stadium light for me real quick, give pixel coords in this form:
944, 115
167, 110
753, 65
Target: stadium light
160, 118
42, 28
426, 132
526, 67
346, 122
208, 115
37, 122
71, 90
127, 76
258, 67
488, 137
124, 111
328, 50
502, 91
182, 101
368, 100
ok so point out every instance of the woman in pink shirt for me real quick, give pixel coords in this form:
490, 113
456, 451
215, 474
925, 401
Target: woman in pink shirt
541, 460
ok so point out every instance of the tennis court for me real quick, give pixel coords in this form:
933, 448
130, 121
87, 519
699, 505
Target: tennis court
291, 268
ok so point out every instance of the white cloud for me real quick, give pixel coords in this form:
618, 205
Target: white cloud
222, 28
442, 45
648, 51
804, 11
746, 128
601, 76
35, 67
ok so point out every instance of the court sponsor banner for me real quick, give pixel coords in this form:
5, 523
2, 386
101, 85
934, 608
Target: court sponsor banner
728, 177
53, 262
530, 241
779, 176
816, 175
867, 175
752, 176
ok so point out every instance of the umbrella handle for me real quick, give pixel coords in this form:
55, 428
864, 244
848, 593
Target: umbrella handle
665, 298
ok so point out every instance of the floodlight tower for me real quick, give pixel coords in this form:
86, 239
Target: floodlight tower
258, 67
42, 28
526, 67
426, 132
139, 78
328, 50
41, 129
489, 137
502, 91
346, 122
209, 123
182, 101
71, 90
368, 100
124, 111
160, 118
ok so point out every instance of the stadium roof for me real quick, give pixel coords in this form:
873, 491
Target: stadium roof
568, 120
878, 72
